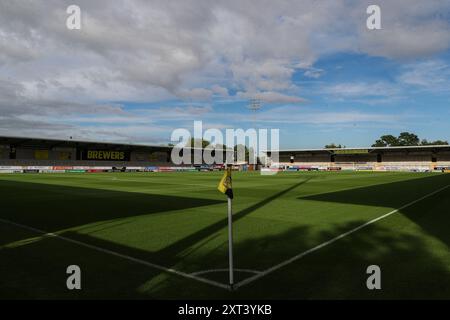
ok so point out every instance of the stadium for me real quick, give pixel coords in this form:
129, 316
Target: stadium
246, 154
30, 155
161, 230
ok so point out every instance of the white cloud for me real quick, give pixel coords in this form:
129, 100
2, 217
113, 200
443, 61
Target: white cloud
409, 30
196, 94
142, 45
270, 97
154, 51
220, 91
292, 115
431, 75
313, 73
362, 89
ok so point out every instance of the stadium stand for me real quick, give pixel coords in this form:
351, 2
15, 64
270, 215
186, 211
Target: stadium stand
52, 155
31, 155
408, 158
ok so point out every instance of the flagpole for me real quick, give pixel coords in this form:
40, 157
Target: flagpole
230, 243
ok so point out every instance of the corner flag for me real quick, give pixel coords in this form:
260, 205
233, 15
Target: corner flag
226, 187
225, 184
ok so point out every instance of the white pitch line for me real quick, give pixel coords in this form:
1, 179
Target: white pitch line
120, 255
320, 246
224, 270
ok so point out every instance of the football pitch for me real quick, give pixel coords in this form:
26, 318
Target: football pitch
297, 235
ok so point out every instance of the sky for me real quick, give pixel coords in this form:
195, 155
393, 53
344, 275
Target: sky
137, 70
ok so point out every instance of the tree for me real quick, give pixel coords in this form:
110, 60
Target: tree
405, 139
222, 147
204, 143
379, 144
440, 143
408, 139
434, 143
386, 141
333, 146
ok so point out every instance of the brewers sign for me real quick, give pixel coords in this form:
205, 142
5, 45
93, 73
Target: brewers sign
106, 155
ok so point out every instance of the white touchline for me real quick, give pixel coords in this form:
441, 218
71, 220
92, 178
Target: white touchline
320, 246
120, 255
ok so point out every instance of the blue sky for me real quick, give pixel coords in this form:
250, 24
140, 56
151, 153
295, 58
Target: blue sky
136, 71
352, 100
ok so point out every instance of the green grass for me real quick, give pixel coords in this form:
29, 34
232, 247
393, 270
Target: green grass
179, 221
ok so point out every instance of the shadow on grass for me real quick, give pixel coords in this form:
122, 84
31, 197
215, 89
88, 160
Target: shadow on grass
179, 246
98, 205
410, 269
397, 194
52, 208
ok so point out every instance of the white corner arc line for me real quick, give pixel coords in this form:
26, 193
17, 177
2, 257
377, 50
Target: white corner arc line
120, 255
320, 246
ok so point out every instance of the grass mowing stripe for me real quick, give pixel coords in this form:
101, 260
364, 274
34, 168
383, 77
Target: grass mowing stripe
116, 254
320, 246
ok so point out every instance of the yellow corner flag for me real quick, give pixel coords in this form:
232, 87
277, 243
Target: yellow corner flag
225, 184
225, 187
